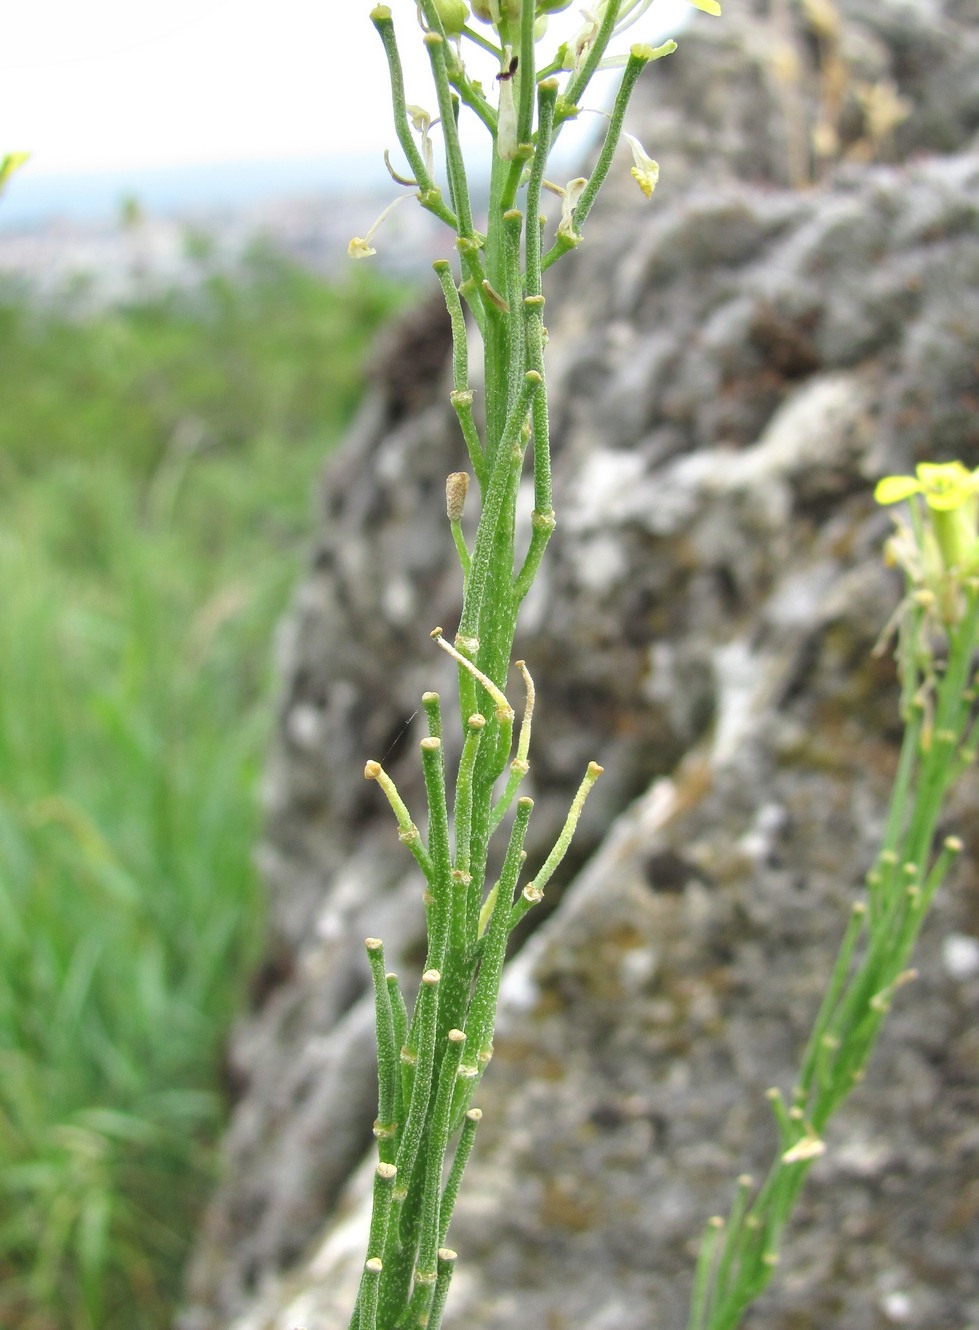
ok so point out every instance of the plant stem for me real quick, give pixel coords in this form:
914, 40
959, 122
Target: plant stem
430, 1064
871, 965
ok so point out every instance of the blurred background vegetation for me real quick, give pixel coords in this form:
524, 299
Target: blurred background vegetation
157, 467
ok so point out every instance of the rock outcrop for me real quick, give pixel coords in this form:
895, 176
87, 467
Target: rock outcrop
731, 366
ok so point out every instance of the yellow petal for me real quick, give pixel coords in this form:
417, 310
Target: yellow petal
708, 6
892, 489
946, 485
421, 121
645, 171
646, 179
642, 51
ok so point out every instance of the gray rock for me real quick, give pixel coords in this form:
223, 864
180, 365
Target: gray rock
732, 367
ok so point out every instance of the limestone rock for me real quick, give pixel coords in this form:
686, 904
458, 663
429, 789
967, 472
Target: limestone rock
732, 367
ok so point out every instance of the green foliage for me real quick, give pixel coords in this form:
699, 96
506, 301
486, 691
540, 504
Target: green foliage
156, 464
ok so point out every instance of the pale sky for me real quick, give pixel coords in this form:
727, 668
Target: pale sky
113, 84
119, 84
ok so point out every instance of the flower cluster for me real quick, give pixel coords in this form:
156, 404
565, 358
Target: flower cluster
940, 548
596, 45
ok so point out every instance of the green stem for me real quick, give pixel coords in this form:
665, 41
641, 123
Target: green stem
636, 64
634, 67
515, 349
464, 792
505, 464
838, 979
384, 1178
861, 988
542, 521
526, 79
533, 892
367, 1301
577, 85
520, 764
440, 912
437, 1144
426, 1016
471, 95
433, 714
453, 1182
482, 1009
446, 1265
546, 103
475, 36
900, 797
408, 833
429, 194
703, 1275
388, 1069
461, 397
424, 1090
399, 1016
454, 160
495, 362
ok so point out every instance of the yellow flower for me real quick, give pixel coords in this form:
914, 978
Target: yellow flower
360, 247
944, 485
646, 171
951, 493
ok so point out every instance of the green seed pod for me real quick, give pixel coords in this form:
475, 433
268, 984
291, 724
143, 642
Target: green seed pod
553, 6
453, 14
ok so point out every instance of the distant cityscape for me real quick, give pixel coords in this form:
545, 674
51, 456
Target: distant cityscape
117, 233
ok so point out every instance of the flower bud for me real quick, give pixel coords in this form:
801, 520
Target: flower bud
453, 15
456, 488
495, 11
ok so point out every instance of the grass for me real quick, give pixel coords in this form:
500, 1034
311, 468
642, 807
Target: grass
156, 469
